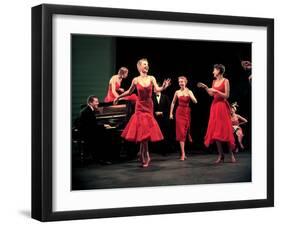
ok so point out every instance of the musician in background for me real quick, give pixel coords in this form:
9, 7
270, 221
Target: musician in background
114, 86
92, 133
161, 105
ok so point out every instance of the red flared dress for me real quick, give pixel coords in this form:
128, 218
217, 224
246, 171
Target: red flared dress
142, 125
220, 126
183, 119
110, 96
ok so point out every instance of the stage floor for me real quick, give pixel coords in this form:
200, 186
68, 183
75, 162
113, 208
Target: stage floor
163, 171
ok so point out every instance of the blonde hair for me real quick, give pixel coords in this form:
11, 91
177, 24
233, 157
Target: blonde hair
140, 60
184, 78
234, 106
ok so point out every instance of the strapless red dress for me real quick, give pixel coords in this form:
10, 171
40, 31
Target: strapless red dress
183, 118
142, 125
110, 97
220, 126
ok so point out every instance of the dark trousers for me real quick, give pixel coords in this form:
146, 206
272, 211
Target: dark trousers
165, 146
95, 148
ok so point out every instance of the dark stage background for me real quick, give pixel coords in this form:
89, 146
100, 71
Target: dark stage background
195, 60
171, 58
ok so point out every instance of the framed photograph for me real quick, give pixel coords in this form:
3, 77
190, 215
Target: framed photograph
145, 112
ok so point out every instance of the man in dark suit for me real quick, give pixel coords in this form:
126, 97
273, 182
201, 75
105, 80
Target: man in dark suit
161, 104
92, 133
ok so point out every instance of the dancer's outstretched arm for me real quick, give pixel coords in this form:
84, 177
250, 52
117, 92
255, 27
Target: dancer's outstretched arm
208, 90
242, 119
127, 92
165, 84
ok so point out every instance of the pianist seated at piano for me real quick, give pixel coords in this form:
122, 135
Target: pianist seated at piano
100, 125
114, 87
92, 133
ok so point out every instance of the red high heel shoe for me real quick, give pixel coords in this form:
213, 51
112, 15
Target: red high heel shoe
183, 158
146, 164
220, 159
140, 158
233, 159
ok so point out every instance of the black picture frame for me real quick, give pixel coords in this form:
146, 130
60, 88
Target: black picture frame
42, 111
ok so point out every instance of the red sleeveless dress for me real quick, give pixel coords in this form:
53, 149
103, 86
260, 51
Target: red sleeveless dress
183, 119
220, 126
110, 97
142, 125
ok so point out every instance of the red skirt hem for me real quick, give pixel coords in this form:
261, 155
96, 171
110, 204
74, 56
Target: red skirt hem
208, 143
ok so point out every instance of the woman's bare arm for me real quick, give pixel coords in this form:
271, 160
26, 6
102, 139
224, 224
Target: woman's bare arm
166, 83
192, 97
173, 105
242, 119
113, 87
127, 92
208, 90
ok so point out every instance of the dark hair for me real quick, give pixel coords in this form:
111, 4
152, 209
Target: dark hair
91, 98
122, 70
220, 67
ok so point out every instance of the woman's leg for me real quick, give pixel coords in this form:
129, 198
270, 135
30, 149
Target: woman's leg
140, 154
240, 137
146, 154
182, 150
147, 151
220, 152
233, 160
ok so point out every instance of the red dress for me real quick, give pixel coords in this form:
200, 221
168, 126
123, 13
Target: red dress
110, 97
142, 125
220, 126
183, 118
